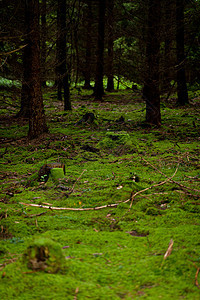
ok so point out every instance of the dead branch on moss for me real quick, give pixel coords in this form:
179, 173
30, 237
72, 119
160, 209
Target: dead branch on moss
72, 208
176, 182
133, 195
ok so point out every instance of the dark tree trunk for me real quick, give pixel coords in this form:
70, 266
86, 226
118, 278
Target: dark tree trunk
110, 23
87, 71
151, 91
61, 70
98, 89
43, 42
181, 79
25, 93
25, 96
168, 35
37, 120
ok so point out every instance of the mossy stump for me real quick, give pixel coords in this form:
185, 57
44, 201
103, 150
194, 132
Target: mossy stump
43, 254
55, 170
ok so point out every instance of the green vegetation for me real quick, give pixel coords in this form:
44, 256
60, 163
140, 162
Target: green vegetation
116, 252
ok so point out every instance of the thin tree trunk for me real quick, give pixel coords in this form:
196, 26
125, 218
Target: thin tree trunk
25, 95
110, 23
181, 79
43, 42
151, 91
37, 120
87, 71
62, 75
168, 34
98, 89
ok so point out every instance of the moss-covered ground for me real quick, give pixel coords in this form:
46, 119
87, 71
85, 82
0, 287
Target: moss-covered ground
114, 251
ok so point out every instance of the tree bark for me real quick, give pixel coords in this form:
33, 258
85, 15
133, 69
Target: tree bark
169, 15
25, 95
151, 91
43, 42
37, 120
98, 89
181, 79
87, 71
61, 70
110, 23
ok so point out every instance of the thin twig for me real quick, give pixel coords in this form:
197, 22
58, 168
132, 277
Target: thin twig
176, 182
157, 184
35, 215
10, 52
77, 181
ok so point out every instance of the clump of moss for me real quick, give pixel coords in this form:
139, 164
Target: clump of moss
152, 211
43, 254
113, 139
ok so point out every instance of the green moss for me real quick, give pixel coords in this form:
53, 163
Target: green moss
113, 139
112, 253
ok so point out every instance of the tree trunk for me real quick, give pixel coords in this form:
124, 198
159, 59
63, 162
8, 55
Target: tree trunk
151, 91
181, 79
87, 71
168, 38
37, 120
110, 23
98, 89
62, 75
25, 95
43, 42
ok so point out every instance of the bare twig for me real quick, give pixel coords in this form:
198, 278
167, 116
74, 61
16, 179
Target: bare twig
157, 184
77, 181
10, 52
35, 215
176, 182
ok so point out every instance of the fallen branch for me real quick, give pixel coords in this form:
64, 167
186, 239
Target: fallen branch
103, 206
71, 208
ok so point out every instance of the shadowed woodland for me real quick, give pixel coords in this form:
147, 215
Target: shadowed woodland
99, 149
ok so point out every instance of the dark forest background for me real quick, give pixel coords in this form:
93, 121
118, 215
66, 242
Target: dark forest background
96, 44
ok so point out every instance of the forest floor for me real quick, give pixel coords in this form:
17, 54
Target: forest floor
141, 237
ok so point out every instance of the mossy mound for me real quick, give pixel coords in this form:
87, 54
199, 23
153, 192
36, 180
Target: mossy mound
114, 139
43, 254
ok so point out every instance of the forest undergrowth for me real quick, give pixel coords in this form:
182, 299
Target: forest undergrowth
124, 216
